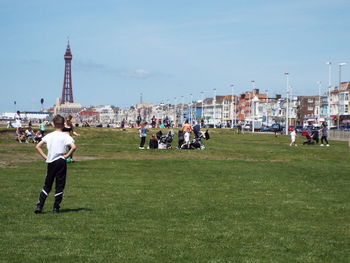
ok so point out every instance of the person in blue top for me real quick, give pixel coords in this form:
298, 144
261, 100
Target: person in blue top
143, 134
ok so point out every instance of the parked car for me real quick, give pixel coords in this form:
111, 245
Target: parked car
265, 128
209, 125
247, 127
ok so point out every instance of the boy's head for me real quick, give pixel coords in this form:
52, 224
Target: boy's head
58, 122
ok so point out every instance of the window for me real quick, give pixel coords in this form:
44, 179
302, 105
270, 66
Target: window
346, 109
310, 108
346, 97
310, 100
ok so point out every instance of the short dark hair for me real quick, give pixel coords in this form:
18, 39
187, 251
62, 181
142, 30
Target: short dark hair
18, 112
58, 122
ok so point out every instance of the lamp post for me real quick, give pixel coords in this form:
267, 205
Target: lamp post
329, 92
182, 110
42, 104
267, 104
340, 66
214, 109
202, 112
191, 109
255, 101
287, 102
232, 106
250, 98
175, 119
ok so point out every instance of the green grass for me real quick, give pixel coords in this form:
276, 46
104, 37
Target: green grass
246, 198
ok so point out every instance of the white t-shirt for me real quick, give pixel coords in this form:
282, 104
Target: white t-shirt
293, 135
18, 119
56, 143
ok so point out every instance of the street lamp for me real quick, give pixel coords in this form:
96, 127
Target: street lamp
202, 115
250, 98
267, 104
182, 109
175, 113
255, 101
232, 106
329, 91
287, 102
340, 66
191, 109
214, 109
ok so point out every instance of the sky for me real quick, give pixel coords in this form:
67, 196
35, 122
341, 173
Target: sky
167, 49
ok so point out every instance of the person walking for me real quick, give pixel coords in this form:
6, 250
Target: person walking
143, 134
293, 135
324, 131
55, 158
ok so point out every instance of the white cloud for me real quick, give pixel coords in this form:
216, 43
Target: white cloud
137, 73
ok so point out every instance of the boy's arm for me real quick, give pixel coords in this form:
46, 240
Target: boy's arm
73, 147
40, 150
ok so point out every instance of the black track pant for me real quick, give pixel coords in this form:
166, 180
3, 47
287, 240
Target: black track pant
143, 140
55, 170
324, 138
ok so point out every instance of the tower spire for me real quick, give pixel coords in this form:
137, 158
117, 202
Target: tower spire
67, 91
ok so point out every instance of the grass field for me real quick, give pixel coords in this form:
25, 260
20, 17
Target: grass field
246, 198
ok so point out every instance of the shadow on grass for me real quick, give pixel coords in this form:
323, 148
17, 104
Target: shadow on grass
68, 210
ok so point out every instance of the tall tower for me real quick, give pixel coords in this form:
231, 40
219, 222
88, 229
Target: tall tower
67, 91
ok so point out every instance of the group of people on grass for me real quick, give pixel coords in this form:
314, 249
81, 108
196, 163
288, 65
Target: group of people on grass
27, 134
313, 136
160, 141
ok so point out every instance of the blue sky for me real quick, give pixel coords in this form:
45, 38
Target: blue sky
167, 49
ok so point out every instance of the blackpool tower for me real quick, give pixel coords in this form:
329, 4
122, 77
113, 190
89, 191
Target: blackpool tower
67, 91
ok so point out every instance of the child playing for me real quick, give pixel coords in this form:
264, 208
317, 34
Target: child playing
293, 135
56, 143
143, 134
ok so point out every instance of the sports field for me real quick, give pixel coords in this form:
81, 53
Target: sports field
246, 198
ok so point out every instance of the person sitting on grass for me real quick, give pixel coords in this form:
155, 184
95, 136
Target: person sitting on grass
29, 134
153, 142
55, 158
20, 135
38, 136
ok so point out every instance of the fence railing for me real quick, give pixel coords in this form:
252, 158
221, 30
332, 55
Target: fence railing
339, 135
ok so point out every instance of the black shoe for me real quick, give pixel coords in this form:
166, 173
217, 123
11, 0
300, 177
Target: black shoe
38, 209
56, 210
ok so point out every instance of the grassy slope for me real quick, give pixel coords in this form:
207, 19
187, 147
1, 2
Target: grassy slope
247, 198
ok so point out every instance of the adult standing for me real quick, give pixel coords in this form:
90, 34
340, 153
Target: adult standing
18, 120
324, 130
69, 129
42, 127
154, 121
138, 121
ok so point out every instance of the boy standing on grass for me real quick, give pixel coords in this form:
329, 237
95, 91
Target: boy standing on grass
56, 143
293, 135
143, 134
